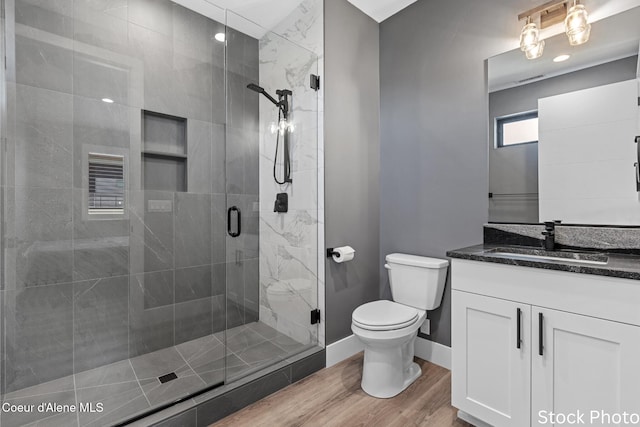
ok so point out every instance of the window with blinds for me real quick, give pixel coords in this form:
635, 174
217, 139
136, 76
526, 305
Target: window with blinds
106, 183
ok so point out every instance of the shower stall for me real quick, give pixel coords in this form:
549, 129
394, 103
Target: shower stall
142, 260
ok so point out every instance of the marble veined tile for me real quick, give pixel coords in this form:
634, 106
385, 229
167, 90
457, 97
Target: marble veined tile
158, 393
46, 418
39, 335
101, 322
114, 373
120, 401
161, 362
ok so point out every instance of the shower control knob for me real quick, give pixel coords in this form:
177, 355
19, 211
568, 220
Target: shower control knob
282, 203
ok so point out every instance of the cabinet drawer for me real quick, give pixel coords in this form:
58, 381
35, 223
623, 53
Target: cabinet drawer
597, 296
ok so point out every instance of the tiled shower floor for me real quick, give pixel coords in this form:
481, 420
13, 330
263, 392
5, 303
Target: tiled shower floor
131, 386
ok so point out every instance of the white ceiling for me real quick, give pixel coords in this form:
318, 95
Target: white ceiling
266, 13
255, 17
381, 9
252, 17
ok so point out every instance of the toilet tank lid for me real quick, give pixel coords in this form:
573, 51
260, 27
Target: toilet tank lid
417, 261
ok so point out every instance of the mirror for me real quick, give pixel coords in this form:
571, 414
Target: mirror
561, 139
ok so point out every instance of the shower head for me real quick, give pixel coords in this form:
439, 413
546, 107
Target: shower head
255, 88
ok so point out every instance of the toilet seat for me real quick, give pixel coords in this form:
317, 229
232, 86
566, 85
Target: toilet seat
384, 315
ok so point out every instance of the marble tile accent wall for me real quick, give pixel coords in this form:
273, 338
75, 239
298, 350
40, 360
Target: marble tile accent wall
81, 290
292, 243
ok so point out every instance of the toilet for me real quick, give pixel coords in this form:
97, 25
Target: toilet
388, 329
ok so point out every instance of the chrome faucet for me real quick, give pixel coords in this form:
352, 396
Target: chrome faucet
550, 235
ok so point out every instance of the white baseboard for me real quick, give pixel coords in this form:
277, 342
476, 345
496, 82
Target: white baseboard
343, 349
472, 420
427, 350
433, 352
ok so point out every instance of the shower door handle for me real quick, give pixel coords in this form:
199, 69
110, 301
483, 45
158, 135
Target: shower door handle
239, 221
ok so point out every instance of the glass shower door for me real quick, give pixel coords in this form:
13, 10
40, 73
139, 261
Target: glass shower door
272, 165
112, 285
138, 228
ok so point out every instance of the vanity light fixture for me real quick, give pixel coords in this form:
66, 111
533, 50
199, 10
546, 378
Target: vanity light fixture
535, 52
530, 42
561, 58
529, 36
577, 25
107, 100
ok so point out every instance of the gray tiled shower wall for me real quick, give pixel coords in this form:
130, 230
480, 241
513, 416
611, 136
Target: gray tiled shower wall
79, 291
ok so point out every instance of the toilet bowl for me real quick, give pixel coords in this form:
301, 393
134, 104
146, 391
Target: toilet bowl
388, 329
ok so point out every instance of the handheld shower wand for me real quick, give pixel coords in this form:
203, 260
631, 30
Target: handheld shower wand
283, 114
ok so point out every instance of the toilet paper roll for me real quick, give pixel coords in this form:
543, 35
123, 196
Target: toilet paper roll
343, 254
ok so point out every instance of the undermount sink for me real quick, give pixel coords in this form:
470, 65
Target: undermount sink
533, 254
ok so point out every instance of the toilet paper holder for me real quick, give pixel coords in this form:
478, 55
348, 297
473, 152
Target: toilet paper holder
341, 254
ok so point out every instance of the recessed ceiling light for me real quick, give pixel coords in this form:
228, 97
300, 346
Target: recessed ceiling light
220, 37
107, 100
561, 58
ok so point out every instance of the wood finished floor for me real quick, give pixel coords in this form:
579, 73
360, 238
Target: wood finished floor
332, 397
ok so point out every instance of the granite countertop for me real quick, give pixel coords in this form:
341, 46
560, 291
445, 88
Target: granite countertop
617, 265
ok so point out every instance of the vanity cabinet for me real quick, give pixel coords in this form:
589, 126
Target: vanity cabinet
525, 344
490, 371
586, 364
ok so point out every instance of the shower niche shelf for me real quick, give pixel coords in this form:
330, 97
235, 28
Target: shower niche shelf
164, 155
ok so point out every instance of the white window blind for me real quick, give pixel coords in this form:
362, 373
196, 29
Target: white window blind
106, 183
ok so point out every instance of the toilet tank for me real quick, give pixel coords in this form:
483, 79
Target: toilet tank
417, 281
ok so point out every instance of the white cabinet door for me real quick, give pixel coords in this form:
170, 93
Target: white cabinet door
490, 370
587, 364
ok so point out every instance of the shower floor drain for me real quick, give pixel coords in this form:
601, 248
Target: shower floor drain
167, 377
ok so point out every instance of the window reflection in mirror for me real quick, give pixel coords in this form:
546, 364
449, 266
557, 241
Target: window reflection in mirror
515, 87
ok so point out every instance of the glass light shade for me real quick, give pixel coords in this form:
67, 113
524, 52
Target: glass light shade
282, 126
580, 38
529, 37
536, 51
576, 25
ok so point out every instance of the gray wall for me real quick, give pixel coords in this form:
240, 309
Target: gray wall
515, 169
434, 128
352, 159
